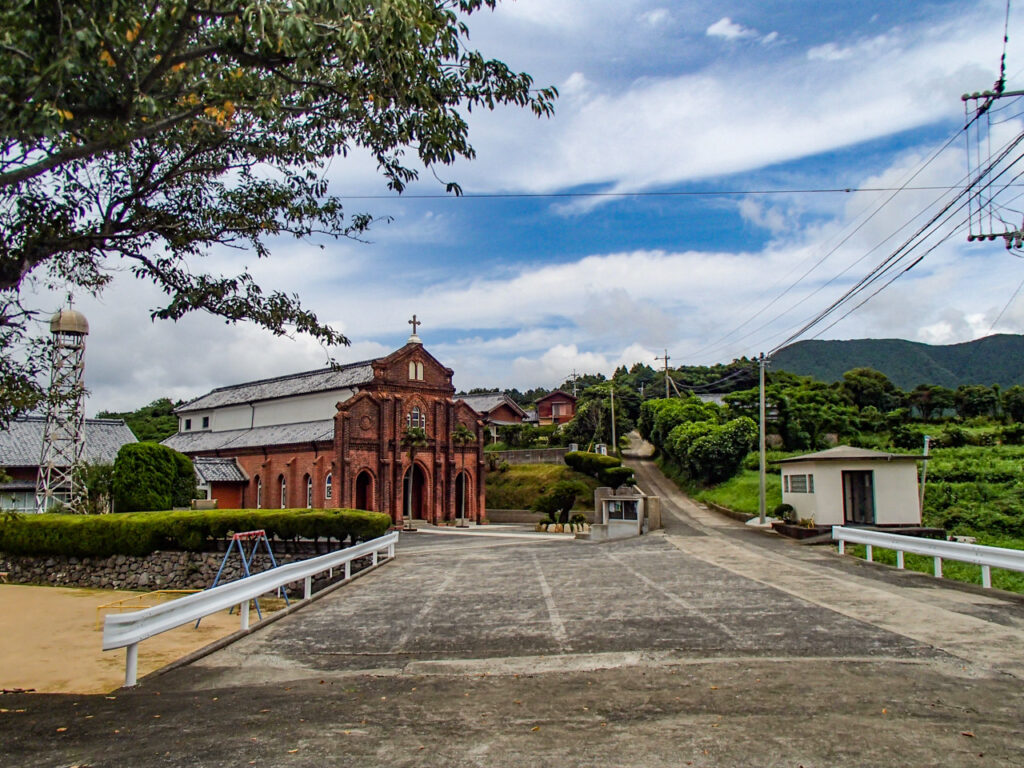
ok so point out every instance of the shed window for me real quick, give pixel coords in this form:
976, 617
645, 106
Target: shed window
622, 510
188, 424
206, 422
799, 483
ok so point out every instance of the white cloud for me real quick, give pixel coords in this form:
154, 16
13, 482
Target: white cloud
656, 17
729, 30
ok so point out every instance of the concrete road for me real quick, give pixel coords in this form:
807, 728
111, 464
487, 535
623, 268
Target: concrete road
707, 644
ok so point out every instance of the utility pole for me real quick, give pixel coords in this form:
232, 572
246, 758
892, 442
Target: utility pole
761, 497
574, 382
924, 471
666, 358
615, 444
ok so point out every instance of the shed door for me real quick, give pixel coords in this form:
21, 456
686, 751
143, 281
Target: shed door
858, 497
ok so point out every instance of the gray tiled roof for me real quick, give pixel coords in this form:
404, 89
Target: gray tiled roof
282, 434
214, 470
486, 403
321, 380
849, 453
22, 442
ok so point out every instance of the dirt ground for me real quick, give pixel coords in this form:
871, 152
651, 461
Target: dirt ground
50, 639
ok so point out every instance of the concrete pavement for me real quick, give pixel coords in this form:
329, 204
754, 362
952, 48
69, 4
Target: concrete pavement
707, 644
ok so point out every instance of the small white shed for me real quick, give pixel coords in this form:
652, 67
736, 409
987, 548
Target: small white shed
852, 486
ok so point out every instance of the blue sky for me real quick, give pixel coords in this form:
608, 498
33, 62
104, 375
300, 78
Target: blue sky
685, 97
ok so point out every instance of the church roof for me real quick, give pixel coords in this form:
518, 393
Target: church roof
320, 380
22, 442
278, 434
215, 470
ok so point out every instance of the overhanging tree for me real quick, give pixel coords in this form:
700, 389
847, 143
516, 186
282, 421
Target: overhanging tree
147, 133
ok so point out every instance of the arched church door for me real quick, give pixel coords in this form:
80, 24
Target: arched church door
462, 505
414, 494
364, 491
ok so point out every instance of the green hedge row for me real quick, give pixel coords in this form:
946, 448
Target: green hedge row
590, 463
140, 533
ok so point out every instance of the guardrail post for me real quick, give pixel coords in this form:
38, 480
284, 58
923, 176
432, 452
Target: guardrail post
308, 588
899, 558
842, 546
391, 551
243, 609
938, 567
131, 665
374, 557
986, 577
869, 553
348, 570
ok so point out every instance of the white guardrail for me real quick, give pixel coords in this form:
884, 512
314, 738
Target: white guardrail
127, 630
986, 557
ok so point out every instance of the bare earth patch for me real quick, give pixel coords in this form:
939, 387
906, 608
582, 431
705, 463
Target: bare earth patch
50, 640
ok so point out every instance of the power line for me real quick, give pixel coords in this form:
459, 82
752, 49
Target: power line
672, 193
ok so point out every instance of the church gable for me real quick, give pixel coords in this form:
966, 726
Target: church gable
413, 367
364, 413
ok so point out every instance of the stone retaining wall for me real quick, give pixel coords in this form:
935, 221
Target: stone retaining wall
160, 570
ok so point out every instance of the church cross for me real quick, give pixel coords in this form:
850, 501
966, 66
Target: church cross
414, 322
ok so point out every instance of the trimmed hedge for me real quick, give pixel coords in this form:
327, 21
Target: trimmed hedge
141, 533
591, 463
616, 476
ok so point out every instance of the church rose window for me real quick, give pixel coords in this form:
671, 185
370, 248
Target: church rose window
328, 486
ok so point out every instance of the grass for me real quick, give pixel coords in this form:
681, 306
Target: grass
519, 486
741, 492
1011, 581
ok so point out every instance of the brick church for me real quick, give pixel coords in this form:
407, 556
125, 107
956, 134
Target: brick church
334, 438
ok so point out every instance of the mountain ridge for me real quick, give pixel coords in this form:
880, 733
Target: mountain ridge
996, 359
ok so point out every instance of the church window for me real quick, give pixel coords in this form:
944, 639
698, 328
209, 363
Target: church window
259, 493
415, 370
328, 486
415, 418
309, 492
284, 493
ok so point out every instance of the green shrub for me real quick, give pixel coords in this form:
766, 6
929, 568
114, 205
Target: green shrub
785, 512
183, 486
143, 532
616, 476
557, 502
143, 477
590, 463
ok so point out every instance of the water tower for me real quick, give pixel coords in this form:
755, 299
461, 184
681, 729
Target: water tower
64, 436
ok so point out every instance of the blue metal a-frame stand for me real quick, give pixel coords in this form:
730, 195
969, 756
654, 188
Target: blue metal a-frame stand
256, 537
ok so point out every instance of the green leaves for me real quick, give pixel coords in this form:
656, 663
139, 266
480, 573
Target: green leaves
154, 132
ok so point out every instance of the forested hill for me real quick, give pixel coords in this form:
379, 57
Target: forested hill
997, 359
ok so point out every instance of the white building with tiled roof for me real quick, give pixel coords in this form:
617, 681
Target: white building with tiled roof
21, 447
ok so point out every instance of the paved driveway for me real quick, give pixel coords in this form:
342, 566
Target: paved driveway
706, 644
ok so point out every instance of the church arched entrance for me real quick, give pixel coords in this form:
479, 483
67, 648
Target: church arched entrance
463, 510
414, 495
364, 491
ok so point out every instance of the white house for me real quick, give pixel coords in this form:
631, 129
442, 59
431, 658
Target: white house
852, 486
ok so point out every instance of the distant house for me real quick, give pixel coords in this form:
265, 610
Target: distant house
852, 486
496, 409
21, 446
556, 408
